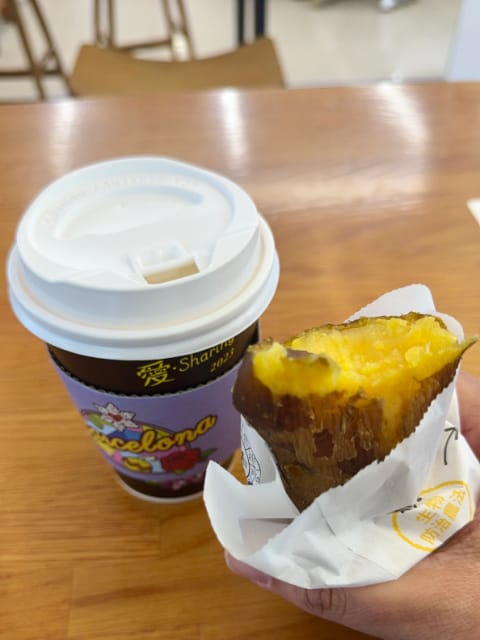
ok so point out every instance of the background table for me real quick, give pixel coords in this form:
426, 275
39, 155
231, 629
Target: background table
365, 190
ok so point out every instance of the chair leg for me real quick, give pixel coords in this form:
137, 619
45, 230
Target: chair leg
259, 18
32, 66
240, 22
104, 27
50, 64
96, 22
174, 27
170, 26
186, 28
104, 34
6, 11
111, 24
52, 53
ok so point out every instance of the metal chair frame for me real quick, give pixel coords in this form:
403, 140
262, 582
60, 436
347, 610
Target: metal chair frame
106, 36
49, 64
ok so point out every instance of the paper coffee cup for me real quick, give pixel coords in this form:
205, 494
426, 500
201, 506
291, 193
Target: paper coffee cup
146, 277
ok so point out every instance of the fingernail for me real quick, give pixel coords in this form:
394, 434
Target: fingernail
246, 571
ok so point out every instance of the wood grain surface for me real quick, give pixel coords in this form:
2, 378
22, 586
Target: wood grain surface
365, 189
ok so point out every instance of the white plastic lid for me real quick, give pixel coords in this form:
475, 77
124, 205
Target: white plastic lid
139, 258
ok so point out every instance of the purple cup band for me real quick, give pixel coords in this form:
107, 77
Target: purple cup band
165, 439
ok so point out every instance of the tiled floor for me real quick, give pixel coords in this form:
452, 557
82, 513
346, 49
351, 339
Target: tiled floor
319, 41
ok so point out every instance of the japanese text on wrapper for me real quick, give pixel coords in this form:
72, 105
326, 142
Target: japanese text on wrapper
434, 515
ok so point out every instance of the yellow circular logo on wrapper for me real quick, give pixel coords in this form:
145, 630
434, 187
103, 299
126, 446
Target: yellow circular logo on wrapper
435, 516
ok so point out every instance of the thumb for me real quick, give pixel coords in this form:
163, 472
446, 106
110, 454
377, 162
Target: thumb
324, 603
417, 606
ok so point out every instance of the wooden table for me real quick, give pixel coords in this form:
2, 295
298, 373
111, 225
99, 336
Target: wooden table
365, 190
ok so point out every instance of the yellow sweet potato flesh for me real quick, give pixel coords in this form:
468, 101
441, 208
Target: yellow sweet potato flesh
333, 399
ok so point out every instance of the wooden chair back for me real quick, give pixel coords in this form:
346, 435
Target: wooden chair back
103, 71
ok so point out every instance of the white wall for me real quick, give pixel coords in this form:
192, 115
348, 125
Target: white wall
464, 57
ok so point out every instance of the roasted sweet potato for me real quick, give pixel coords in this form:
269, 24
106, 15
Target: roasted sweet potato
332, 400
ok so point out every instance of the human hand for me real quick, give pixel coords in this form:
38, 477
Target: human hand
437, 598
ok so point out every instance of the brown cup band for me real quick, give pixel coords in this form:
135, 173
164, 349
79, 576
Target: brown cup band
162, 375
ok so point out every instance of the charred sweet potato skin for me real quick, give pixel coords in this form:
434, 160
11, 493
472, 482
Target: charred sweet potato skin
320, 442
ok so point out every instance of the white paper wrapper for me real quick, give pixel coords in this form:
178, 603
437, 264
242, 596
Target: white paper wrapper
373, 528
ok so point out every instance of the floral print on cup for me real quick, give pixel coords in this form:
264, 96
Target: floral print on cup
146, 451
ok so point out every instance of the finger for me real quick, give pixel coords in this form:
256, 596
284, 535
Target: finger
246, 571
325, 603
417, 606
468, 388
332, 604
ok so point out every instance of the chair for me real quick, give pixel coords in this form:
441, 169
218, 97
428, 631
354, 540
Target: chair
100, 71
383, 5
174, 15
49, 64
259, 19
